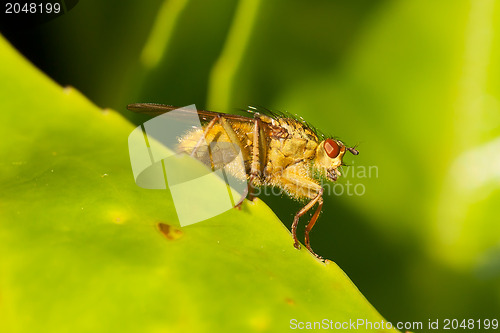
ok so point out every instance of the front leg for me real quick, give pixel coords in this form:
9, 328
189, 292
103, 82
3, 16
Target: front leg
311, 223
302, 186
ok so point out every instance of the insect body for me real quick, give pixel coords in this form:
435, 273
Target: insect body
277, 149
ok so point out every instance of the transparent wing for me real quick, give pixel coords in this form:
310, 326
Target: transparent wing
158, 109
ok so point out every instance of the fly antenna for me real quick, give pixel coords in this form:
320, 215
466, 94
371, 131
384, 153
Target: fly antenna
353, 150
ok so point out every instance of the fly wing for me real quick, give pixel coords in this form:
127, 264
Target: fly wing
150, 108
158, 109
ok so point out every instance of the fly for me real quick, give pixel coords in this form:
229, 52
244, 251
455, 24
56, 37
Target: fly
278, 150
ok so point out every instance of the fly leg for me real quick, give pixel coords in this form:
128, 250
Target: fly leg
229, 131
233, 138
255, 166
311, 223
207, 130
295, 182
318, 199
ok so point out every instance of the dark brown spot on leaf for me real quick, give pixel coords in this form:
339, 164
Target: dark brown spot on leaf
170, 232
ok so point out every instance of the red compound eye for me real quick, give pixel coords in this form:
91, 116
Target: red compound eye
332, 148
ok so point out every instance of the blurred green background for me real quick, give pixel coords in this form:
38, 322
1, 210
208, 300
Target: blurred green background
415, 83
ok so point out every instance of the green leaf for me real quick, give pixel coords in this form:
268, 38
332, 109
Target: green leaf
81, 248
